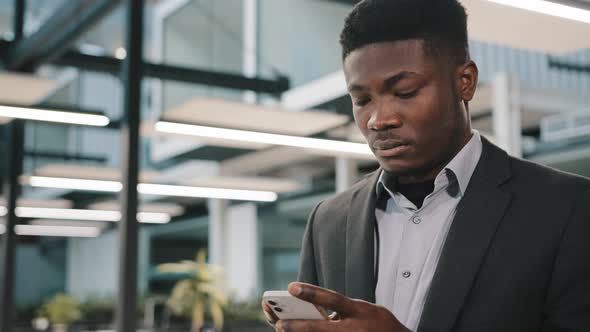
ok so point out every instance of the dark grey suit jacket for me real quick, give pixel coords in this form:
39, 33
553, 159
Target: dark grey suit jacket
517, 256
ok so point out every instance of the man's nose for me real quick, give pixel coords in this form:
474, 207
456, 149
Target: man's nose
384, 117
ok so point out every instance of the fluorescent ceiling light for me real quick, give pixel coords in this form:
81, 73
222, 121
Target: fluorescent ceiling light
92, 215
68, 214
205, 192
168, 208
153, 217
245, 182
148, 189
61, 231
258, 137
548, 8
78, 184
56, 222
48, 115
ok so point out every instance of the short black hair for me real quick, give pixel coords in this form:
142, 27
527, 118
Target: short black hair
442, 24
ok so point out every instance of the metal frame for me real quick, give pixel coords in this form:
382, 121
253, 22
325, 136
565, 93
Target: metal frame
128, 226
60, 31
176, 73
15, 140
64, 156
160, 13
570, 66
15, 149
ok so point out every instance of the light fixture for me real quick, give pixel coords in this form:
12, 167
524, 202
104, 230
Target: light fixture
205, 192
153, 217
39, 114
56, 222
78, 184
172, 209
223, 113
149, 189
67, 214
120, 53
258, 137
92, 215
60, 231
549, 8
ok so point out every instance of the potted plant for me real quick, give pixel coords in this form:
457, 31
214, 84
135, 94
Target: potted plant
61, 311
98, 311
199, 293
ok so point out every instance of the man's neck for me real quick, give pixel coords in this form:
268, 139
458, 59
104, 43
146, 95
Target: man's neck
416, 192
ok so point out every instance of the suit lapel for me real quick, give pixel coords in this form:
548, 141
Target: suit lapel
469, 237
360, 242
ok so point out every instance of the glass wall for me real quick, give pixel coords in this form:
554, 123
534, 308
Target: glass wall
261, 241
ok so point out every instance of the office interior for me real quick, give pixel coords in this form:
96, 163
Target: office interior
140, 133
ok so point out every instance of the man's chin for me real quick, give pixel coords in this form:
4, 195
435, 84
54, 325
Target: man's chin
397, 166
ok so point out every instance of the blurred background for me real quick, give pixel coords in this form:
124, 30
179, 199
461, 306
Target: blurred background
232, 127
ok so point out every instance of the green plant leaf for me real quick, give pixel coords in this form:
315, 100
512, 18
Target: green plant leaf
202, 292
201, 256
182, 298
198, 314
214, 292
216, 314
177, 268
62, 309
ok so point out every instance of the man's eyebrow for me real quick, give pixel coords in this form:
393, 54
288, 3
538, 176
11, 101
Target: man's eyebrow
393, 80
389, 82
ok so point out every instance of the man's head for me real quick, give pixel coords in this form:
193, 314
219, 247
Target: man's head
409, 75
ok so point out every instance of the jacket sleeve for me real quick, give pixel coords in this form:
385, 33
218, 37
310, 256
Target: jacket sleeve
567, 307
307, 265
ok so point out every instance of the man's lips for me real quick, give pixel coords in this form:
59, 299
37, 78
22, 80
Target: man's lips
389, 148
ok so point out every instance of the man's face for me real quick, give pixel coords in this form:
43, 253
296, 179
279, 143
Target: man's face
406, 105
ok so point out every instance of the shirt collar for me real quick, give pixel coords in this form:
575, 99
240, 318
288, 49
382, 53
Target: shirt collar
462, 166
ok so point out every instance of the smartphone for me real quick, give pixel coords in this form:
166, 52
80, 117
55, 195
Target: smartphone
285, 306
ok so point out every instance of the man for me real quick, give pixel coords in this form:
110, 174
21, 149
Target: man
451, 233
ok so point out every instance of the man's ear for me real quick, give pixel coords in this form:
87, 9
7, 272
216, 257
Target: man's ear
467, 77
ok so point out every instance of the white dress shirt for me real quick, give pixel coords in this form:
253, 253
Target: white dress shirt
411, 240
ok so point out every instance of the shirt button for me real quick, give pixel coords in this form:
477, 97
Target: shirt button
406, 274
416, 220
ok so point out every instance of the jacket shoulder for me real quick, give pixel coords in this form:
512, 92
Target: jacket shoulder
340, 202
543, 178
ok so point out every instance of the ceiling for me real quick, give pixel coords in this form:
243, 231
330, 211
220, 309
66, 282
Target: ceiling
522, 28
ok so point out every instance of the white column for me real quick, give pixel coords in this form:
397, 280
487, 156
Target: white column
506, 114
233, 245
346, 173
242, 254
249, 45
217, 221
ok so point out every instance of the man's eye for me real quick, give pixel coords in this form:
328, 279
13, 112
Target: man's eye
407, 95
361, 102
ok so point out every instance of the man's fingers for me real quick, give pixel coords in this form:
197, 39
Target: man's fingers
305, 325
323, 297
334, 316
270, 315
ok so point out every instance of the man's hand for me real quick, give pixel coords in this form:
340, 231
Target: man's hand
352, 315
